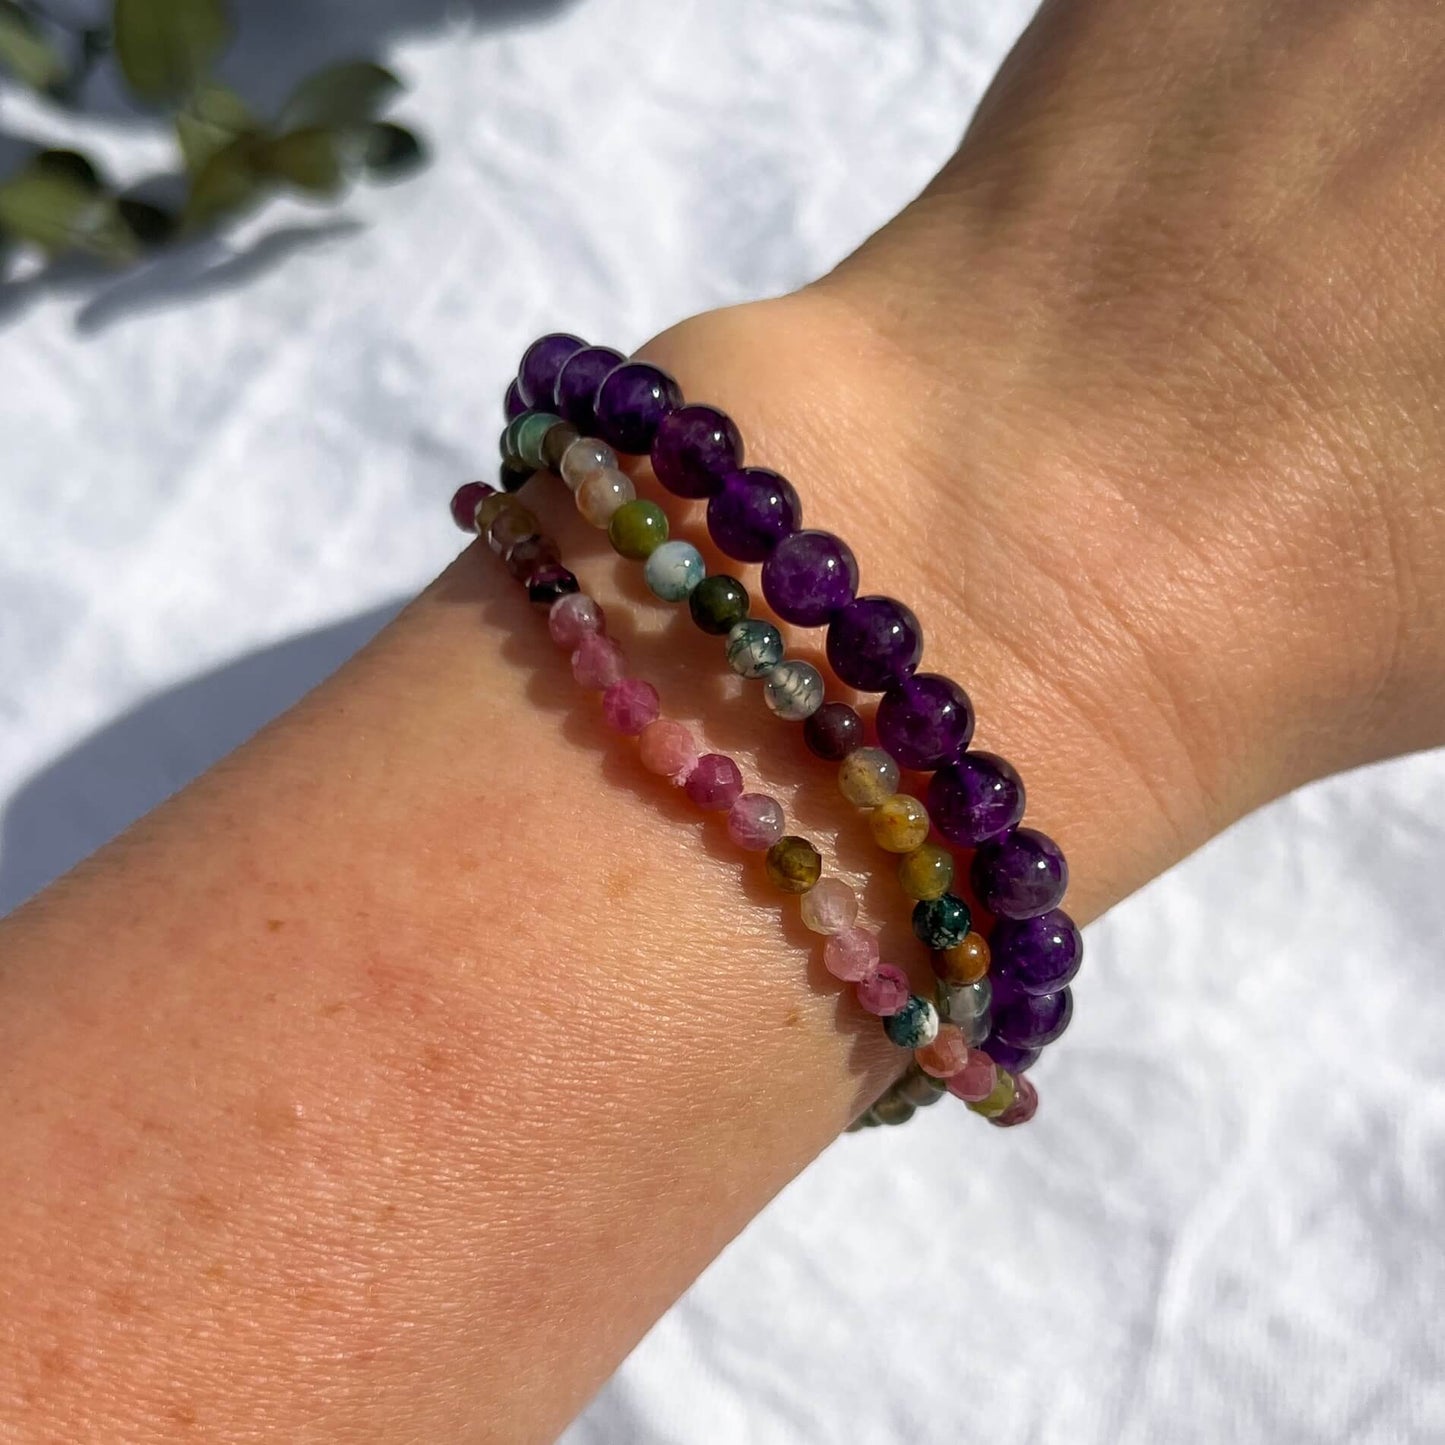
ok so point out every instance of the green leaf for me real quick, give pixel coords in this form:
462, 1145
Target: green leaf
391, 151
308, 159
26, 51
69, 165
166, 46
60, 211
232, 180
151, 225
347, 94
213, 118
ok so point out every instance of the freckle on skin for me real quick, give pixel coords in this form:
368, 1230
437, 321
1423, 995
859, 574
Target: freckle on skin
793, 1016
277, 1113
275, 925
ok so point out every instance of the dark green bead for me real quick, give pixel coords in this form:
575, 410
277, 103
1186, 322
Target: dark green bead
942, 922
513, 476
891, 1109
718, 603
559, 437
637, 529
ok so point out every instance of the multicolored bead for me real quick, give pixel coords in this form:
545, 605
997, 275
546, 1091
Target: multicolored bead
668, 749
966, 962
754, 648
947, 1054
851, 954
915, 1025
793, 689
602, 494
585, 458
598, 662
573, 618
793, 864
756, 821
715, 784
998, 1098
637, 529
833, 732
884, 991
899, 824
465, 501
867, 776
718, 603
630, 705
673, 570
940, 923
976, 1080
926, 872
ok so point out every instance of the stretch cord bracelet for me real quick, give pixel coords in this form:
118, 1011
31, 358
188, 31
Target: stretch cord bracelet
945, 1058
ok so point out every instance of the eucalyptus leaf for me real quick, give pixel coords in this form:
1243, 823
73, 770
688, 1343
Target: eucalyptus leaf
391, 151
341, 95
166, 46
27, 52
309, 159
151, 225
232, 180
214, 116
61, 212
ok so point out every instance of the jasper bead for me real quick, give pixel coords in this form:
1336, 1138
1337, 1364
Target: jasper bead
975, 798
829, 907
716, 783
695, 449
756, 821
851, 954
1038, 955
899, 824
999, 1098
630, 705
755, 648
718, 603
752, 513
925, 721
884, 991
637, 528
465, 501
793, 864
542, 363
584, 458
668, 749
976, 1080
512, 403
1006, 1056
673, 570
915, 1025
548, 583
1020, 875
1025, 1105
874, 641
509, 525
577, 383
966, 962
946, 1055
809, 576
573, 618
530, 555
833, 732
597, 663
793, 689
926, 872
867, 776
1029, 1021
603, 494
941, 923
631, 403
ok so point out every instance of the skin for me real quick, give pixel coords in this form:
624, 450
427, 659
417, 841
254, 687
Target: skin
390, 1081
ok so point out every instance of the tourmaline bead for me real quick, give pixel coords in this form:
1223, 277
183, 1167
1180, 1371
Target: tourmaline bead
966, 962
465, 501
673, 570
999, 1098
1020, 875
970, 1006
1031, 1020
914, 1025
809, 577
946, 1055
628, 706
598, 662
548, 583
753, 512
513, 476
892, 1109
754, 648
695, 448
899, 824
975, 1080
542, 363
867, 776
1038, 955
1006, 1056
718, 603
793, 864
602, 494
941, 923
492, 507
874, 641
573, 618
851, 954
974, 798
884, 991
829, 907
1025, 1105
532, 431
918, 1088
510, 444
833, 732
926, 872
512, 403
925, 721
668, 749
585, 458
560, 436
577, 383
530, 555
756, 821
793, 689
509, 524
716, 783
631, 403
637, 528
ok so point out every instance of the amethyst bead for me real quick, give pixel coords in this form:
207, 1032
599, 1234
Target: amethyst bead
874, 641
1006, 1056
715, 783
1020, 875
975, 798
925, 721
513, 404
695, 450
631, 403
1037, 955
578, 382
542, 363
833, 732
752, 513
809, 577
1029, 1021
465, 501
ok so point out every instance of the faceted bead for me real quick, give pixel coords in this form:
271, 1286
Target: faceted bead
892, 1109
999, 1097
884, 991
867, 776
752, 513
602, 493
793, 864
509, 525
510, 444
975, 798
668, 749
1020, 875
578, 381
465, 501
833, 732
1038, 955
718, 603
914, 1025
530, 555
542, 362
695, 449
1006, 1056
637, 528
572, 618
512, 403
970, 1006
918, 1088
874, 641
926, 872
513, 476
584, 458
851, 954
941, 923
793, 689
1029, 1020
631, 403
925, 721
829, 907
560, 437
1023, 1108
598, 662
716, 783
673, 569
966, 962
755, 648
946, 1055
628, 706
550, 582
756, 821
492, 507
899, 824
976, 1080
532, 431
809, 577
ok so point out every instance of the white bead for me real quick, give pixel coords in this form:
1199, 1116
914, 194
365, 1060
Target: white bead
602, 493
584, 457
829, 906
673, 569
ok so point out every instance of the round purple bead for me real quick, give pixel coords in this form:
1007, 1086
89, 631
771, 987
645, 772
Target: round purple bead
924, 721
695, 449
631, 403
833, 732
1031, 1020
1006, 1056
809, 577
752, 513
465, 501
577, 385
874, 641
541, 364
513, 404
1020, 875
1036, 955
975, 798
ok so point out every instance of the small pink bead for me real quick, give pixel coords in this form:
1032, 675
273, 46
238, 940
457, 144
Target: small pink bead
829, 906
630, 705
1024, 1106
572, 618
598, 662
715, 782
756, 821
852, 954
975, 1080
667, 749
946, 1056
884, 991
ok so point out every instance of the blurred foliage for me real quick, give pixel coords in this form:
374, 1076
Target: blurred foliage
228, 161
